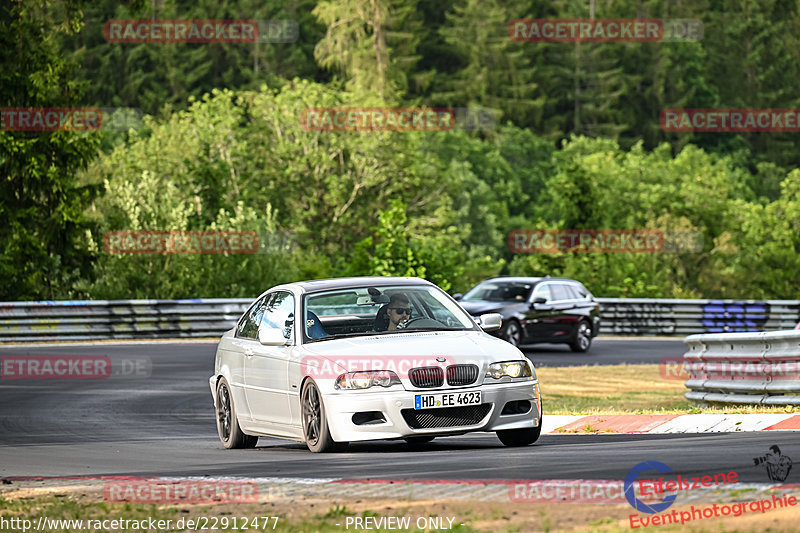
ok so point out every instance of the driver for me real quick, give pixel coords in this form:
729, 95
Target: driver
398, 310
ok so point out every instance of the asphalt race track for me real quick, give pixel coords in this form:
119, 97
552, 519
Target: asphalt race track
163, 425
607, 351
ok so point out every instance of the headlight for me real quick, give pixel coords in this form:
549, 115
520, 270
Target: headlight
366, 379
513, 369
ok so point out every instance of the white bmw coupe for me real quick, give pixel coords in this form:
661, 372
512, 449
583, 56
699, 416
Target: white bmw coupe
372, 358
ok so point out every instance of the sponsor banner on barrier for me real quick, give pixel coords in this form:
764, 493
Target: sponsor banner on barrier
550, 241
180, 491
200, 31
75, 367
562, 30
730, 120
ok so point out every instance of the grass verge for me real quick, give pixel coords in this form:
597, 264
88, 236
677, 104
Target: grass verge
329, 517
624, 389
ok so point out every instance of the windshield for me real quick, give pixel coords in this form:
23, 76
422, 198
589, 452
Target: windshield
499, 291
363, 311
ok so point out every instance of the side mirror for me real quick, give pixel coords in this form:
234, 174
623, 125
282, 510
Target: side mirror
490, 321
537, 301
457, 296
272, 337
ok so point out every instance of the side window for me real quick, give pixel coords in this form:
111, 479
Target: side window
279, 313
560, 292
579, 291
248, 327
542, 291
572, 291
584, 291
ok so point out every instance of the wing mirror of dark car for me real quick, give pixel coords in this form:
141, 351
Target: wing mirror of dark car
538, 300
457, 296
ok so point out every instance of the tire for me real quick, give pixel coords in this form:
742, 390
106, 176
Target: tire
520, 437
418, 440
315, 421
513, 333
583, 338
230, 434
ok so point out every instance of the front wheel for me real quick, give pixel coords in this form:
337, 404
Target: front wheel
583, 338
315, 422
228, 428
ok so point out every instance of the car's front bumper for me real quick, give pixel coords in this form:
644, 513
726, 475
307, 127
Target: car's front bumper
342, 405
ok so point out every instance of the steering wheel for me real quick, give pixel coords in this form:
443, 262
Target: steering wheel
420, 321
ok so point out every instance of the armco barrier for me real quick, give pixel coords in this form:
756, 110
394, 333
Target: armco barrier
744, 368
118, 319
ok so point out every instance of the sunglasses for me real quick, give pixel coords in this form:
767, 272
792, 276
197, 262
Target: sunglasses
402, 310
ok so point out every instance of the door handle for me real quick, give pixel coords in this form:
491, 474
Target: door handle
248, 352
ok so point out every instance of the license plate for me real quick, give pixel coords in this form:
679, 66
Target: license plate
452, 399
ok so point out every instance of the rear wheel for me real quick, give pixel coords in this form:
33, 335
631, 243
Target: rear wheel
583, 338
513, 333
228, 428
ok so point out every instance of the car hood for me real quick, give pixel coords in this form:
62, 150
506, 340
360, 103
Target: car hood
421, 346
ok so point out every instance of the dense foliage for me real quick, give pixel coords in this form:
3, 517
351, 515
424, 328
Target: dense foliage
577, 145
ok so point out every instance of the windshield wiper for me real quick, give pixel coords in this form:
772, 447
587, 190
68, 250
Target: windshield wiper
346, 335
429, 329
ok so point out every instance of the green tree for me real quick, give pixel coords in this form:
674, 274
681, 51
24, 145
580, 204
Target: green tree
492, 69
41, 204
371, 43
